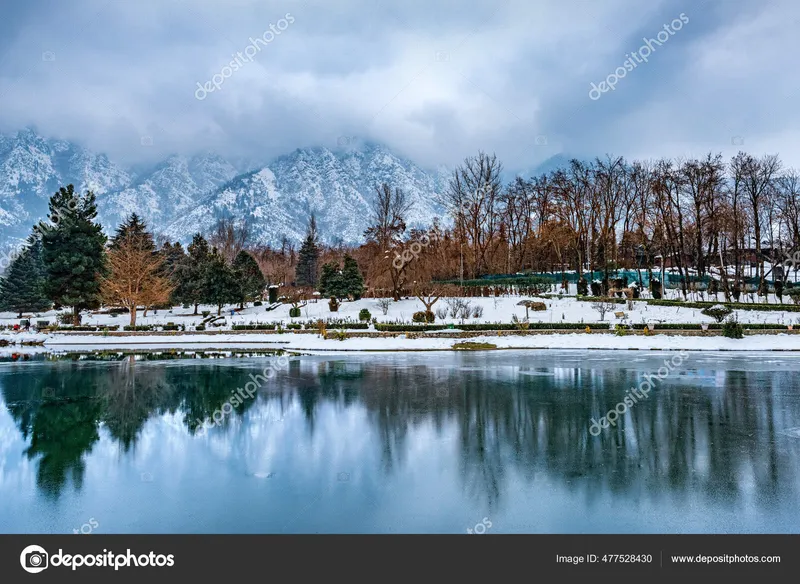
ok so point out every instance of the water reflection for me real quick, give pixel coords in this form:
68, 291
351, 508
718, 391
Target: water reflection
715, 431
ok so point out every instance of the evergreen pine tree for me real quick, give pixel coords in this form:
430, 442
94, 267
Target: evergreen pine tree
135, 227
73, 251
308, 258
175, 259
352, 280
331, 283
251, 280
22, 285
192, 272
220, 284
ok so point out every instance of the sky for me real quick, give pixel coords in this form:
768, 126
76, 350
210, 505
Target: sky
434, 80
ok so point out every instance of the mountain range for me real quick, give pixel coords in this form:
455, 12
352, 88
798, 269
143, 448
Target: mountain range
183, 195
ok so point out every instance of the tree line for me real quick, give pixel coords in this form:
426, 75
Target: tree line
69, 262
702, 218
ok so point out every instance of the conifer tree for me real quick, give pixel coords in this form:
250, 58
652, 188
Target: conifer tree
135, 227
308, 258
331, 283
251, 280
73, 251
22, 285
175, 260
193, 272
352, 280
220, 284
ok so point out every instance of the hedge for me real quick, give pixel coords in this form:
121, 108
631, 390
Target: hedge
568, 326
410, 328
253, 327
88, 328
340, 325
143, 327
733, 305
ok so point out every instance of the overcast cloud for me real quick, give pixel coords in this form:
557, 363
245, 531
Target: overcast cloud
433, 80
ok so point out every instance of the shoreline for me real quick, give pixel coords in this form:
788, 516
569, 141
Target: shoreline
398, 343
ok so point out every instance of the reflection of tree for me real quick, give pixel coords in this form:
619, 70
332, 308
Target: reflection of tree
686, 438
51, 408
62, 435
131, 394
201, 391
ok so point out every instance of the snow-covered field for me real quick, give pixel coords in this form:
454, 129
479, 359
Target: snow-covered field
495, 310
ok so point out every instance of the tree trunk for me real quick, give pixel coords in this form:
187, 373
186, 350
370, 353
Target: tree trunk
133, 315
195, 308
76, 316
219, 309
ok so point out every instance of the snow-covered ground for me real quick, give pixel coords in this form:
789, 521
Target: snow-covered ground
495, 310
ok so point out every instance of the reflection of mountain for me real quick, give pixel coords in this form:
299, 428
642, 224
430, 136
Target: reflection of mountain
511, 420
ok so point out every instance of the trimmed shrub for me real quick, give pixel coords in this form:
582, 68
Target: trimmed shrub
426, 316
200, 327
364, 315
583, 287
294, 312
718, 312
732, 329
333, 304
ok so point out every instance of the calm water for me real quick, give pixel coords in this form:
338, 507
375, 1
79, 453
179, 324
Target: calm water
421, 443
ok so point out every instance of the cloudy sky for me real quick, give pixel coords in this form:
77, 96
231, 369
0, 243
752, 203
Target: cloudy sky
435, 80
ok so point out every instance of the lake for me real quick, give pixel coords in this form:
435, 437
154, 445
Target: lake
440, 442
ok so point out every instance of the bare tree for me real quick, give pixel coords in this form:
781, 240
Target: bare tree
389, 210
230, 237
602, 306
472, 198
759, 176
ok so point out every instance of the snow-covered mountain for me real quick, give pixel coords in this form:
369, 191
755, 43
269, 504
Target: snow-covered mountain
183, 195
168, 191
33, 168
337, 187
